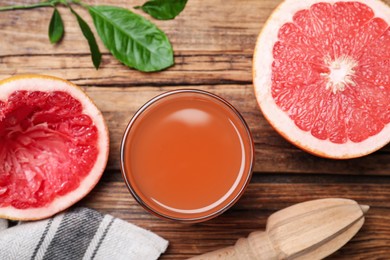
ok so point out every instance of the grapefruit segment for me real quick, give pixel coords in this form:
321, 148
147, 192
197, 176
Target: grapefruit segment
348, 20
378, 50
54, 146
293, 45
366, 35
322, 76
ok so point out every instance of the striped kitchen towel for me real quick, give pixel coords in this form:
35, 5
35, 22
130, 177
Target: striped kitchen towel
80, 233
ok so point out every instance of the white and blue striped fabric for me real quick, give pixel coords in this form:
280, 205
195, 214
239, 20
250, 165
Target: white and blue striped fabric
80, 233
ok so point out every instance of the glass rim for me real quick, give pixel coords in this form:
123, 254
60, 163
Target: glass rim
241, 189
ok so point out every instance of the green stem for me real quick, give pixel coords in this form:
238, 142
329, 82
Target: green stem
17, 7
47, 3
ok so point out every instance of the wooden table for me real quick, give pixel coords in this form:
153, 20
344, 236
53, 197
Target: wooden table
213, 42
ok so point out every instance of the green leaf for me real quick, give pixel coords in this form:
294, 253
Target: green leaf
163, 9
95, 52
56, 27
132, 39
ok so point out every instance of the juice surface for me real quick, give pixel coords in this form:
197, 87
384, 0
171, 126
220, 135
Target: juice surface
187, 156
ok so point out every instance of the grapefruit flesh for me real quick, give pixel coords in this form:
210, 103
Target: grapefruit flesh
322, 75
54, 146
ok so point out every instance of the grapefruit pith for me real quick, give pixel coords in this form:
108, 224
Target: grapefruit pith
53, 146
321, 73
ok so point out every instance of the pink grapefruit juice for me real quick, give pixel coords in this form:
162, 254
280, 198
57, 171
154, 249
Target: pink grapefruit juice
187, 155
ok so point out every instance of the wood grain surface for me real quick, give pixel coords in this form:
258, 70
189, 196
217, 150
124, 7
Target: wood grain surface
213, 43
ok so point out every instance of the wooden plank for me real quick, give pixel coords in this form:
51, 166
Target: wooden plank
204, 25
192, 68
265, 195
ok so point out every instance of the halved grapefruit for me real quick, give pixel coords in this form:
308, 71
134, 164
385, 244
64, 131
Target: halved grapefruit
53, 146
321, 73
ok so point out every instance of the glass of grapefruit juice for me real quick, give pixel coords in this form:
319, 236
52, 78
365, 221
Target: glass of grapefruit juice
187, 155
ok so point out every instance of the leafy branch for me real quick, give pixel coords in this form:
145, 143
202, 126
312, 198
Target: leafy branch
131, 38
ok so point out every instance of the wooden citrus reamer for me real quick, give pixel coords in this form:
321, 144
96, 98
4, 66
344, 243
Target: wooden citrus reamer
308, 230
